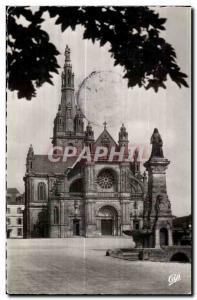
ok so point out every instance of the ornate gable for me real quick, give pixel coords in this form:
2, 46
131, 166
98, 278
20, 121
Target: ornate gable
105, 140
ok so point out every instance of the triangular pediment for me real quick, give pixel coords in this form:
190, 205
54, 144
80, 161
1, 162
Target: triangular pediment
105, 139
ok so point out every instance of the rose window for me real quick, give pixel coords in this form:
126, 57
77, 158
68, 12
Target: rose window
105, 179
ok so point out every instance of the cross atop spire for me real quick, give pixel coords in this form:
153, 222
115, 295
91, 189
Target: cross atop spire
105, 125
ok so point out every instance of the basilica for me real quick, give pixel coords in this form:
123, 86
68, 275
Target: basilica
106, 197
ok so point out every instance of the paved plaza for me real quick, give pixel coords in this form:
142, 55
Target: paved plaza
80, 266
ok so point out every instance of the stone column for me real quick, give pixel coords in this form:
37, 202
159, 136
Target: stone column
170, 240
158, 208
61, 218
89, 211
126, 225
157, 238
89, 178
90, 218
89, 199
51, 218
156, 168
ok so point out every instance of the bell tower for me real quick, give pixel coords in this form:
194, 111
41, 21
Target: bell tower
123, 137
68, 124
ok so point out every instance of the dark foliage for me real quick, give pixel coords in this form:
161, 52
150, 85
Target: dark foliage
133, 34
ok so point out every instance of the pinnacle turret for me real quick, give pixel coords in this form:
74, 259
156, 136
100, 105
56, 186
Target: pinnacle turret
67, 54
30, 153
89, 134
29, 159
67, 74
123, 136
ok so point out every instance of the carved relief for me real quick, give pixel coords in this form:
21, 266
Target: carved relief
162, 204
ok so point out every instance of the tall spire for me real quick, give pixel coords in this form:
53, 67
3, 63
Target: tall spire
67, 75
68, 124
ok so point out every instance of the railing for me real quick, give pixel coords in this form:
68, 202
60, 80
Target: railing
107, 194
98, 194
68, 195
75, 194
136, 195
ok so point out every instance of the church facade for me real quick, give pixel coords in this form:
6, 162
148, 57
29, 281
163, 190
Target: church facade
106, 197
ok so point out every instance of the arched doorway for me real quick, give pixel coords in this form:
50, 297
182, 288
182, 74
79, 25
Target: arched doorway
180, 257
76, 227
40, 229
108, 220
163, 237
76, 186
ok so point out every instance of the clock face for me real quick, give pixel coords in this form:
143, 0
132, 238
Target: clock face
103, 97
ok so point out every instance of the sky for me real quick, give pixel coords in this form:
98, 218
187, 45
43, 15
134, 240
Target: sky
105, 97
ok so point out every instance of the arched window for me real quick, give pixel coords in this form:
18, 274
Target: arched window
56, 215
76, 186
106, 179
41, 191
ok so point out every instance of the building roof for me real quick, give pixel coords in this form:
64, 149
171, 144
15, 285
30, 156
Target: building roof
42, 164
13, 196
12, 191
182, 222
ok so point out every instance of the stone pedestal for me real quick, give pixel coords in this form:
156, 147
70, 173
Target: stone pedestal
158, 208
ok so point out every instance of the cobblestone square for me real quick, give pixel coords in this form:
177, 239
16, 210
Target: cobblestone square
79, 266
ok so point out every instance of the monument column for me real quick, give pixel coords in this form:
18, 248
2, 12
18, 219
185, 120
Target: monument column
158, 208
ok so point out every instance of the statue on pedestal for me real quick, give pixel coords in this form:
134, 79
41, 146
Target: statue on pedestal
157, 144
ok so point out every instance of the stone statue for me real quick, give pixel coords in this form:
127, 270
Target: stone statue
162, 204
157, 144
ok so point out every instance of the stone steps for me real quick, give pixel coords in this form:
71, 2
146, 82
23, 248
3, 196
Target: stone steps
128, 254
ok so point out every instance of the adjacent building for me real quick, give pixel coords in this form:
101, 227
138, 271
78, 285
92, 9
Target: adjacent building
107, 197
14, 213
182, 230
